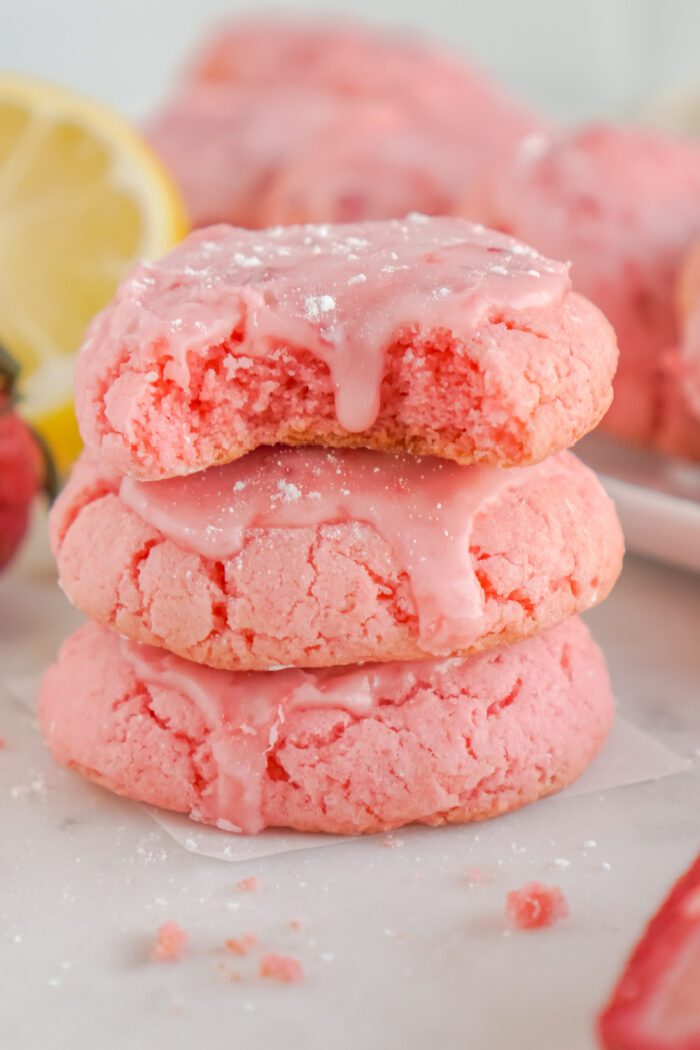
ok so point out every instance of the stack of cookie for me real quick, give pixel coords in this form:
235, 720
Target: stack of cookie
332, 547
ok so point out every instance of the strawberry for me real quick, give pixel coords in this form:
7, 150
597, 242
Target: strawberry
24, 465
656, 1004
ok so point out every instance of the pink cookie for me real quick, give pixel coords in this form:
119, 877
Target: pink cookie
347, 59
313, 558
428, 335
623, 205
256, 156
678, 431
688, 290
228, 146
359, 749
689, 356
691, 367
295, 122
378, 165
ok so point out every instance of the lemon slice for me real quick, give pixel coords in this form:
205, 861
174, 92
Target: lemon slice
81, 198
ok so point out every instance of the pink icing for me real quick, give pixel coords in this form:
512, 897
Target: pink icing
424, 508
341, 292
243, 711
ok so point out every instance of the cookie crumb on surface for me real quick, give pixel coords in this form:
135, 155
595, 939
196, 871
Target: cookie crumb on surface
477, 876
242, 945
171, 941
536, 905
284, 968
248, 885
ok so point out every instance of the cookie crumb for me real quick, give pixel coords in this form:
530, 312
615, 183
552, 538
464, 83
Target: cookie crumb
536, 905
242, 945
392, 842
171, 942
295, 924
249, 885
227, 973
284, 968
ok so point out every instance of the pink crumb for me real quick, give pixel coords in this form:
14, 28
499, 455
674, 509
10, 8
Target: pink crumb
228, 974
536, 905
295, 924
242, 945
170, 944
392, 842
477, 876
284, 968
248, 885
3, 743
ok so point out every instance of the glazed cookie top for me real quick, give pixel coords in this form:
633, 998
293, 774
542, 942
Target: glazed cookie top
424, 508
251, 706
342, 292
535, 712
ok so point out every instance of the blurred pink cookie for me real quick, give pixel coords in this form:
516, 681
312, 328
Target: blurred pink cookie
688, 291
691, 365
689, 356
678, 431
257, 156
357, 749
623, 205
312, 558
296, 122
229, 146
428, 335
345, 58
374, 165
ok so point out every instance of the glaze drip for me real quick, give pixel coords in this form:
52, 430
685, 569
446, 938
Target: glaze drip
243, 712
343, 293
423, 508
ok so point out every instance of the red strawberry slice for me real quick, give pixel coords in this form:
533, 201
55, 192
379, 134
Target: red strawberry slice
656, 1004
24, 465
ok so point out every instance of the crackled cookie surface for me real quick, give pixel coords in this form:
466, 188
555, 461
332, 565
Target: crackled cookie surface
622, 205
313, 557
428, 335
355, 749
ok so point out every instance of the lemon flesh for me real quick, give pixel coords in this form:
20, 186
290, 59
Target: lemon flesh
81, 199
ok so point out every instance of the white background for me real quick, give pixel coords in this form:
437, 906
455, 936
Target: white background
579, 59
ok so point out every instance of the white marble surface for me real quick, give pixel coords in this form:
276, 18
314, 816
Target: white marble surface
399, 950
